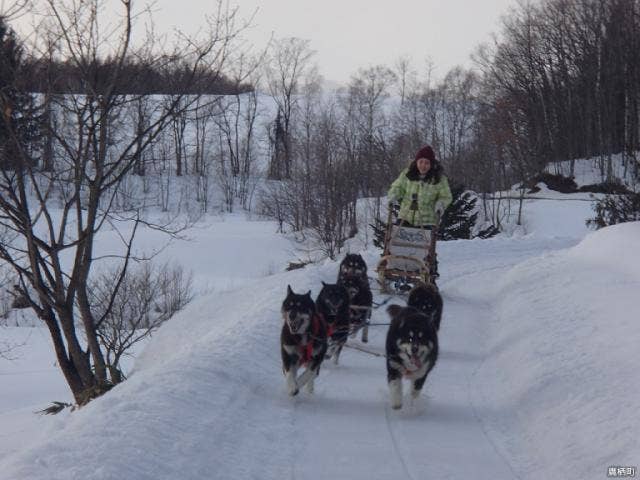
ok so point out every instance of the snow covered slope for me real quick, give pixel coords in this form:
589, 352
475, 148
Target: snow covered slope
561, 366
534, 378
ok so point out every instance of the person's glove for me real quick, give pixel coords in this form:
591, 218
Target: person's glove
439, 208
394, 204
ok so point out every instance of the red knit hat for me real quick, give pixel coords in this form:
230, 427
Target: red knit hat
426, 152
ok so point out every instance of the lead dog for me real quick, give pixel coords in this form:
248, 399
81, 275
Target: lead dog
412, 351
303, 341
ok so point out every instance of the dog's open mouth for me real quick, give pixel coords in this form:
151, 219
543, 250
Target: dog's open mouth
297, 325
414, 363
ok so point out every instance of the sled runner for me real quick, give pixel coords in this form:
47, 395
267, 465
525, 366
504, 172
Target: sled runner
408, 256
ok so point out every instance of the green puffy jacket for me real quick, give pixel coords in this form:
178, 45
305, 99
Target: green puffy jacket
428, 193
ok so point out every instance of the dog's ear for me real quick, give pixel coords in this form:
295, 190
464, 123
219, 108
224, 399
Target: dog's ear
323, 284
289, 291
309, 294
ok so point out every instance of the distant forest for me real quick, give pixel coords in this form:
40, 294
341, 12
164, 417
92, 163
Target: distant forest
162, 77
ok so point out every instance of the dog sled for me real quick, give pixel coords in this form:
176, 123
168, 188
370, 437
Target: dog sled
408, 257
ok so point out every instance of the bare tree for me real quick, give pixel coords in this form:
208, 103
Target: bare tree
236, 124
141, 119
414, 119
277, 201
202, 123
178, 129
11, 9
286, 67
96, 148
455, 115
148, 297
317, 202
311, 106
568, 71
406, 76
368, 93
332, 189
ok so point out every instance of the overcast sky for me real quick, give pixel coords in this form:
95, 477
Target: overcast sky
350, 34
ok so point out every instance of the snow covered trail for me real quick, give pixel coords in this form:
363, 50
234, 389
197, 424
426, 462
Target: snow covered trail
207, 398
349, 430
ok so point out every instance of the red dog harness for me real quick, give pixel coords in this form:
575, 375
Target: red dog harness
330, 330
306, 349
330, 327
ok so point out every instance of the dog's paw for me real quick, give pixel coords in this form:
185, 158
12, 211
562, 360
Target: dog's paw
395, 393
292, 387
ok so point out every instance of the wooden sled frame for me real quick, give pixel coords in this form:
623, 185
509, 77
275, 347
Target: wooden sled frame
404, 279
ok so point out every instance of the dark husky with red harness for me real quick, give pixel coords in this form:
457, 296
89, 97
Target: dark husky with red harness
360, 303
412, 350
303, 341
353, 276
333, 304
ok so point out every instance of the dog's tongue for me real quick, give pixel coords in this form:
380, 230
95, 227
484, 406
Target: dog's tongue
416, 361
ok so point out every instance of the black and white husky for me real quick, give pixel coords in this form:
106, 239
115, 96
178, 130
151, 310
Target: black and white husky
412, 351
333, 304
360, 303
303, 341
353, 265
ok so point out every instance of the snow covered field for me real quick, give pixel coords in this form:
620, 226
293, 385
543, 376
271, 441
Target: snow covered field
537, 375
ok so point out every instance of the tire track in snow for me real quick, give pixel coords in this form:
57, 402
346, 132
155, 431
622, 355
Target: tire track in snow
392, 435
396, 447
485, 308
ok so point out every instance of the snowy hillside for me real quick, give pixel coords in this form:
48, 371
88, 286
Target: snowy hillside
535, 378
561, 361
593, 171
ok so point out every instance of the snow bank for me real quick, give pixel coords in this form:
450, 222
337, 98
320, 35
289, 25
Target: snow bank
561, 217
616, 248
561, 372
203, 376
537, 375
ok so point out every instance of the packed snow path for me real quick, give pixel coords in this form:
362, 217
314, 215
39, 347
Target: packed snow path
208, 399
348, 429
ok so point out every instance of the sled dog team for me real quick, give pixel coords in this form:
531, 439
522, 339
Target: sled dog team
315, 331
